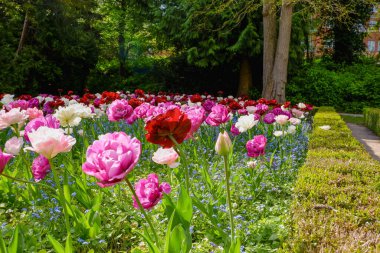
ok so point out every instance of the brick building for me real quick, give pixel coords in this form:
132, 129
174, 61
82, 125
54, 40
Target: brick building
372, 41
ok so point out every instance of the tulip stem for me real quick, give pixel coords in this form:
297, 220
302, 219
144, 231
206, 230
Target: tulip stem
24, 181
181, 154
227, 174
146, 216
61, 197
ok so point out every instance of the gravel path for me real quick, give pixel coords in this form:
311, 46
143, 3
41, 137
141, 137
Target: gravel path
370, 141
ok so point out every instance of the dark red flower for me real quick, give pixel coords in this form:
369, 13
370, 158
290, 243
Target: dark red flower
25, 97
161, 99
196, 98
287, 104
173, 123
139, 92
134, 102
250, 103
108, 97
234, 105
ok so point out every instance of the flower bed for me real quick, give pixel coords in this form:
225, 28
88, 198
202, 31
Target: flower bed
337, 194
372, 119
148, 172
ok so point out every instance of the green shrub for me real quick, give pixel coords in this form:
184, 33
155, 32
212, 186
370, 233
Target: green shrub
372, 119
347, 88
336, 206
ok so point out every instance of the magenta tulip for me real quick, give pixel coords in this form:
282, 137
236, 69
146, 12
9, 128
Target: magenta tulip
112, 157
150, 192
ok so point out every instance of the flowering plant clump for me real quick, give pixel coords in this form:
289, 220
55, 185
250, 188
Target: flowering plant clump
172, 123
150, 191
256, 146
112, 157
143, 172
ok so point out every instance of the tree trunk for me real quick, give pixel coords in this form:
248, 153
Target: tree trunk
121, 39
280, 68
245, 83
270, 31
23, 34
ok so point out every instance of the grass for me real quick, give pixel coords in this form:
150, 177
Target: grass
336, 206
353, 119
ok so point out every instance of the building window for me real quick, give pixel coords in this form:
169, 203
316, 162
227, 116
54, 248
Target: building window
371, 46
378, 46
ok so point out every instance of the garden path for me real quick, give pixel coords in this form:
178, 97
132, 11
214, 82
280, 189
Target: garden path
370, 141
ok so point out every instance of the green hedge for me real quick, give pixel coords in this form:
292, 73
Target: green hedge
336, 205
372, 119
347, 88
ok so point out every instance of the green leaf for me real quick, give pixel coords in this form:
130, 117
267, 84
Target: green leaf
69, 245
184, 205
168, 231
16, 244
56, 245
178, 240
66, 193
235, 246
152, 247
3, 248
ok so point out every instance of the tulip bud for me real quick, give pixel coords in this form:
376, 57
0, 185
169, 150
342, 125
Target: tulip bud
223, 145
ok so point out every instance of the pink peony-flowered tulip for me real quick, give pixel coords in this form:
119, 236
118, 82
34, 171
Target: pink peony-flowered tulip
49, 142
112, 157
256, 146
14, 116
40, 168
166, 156
118, 110
150, 191
196, 114
234, 130
141, 110
34, 113
33, 125
14, 145
281, 119
4, 159
219, 115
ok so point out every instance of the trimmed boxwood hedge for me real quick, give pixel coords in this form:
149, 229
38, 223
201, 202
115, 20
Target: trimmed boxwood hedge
336, 205
372, 119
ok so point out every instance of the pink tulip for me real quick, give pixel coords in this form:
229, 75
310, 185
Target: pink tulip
141, 110
118, 110
219, 115
166, 156
48, 121
150, 192
34, 113
297, 113
49, 142
295, 121
14, 116
281, 119
112, 157
196, 114
40, 168
223, 144
4, 159
256, 146
131, 119
234, 130
14, 145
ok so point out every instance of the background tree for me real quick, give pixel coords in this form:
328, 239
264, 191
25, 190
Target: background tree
58, 45
206, 32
